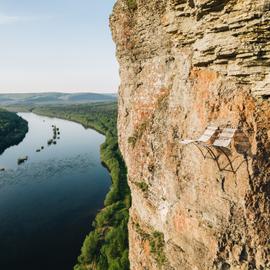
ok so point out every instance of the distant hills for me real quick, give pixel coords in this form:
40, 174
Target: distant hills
54, 98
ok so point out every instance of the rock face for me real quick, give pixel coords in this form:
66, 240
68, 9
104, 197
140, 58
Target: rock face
186, 64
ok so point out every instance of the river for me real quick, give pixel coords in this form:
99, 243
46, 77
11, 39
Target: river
48, 203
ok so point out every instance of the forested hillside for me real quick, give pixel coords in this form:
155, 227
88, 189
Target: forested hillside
12, 129
54, 98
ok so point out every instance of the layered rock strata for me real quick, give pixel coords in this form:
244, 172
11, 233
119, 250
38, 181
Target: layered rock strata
184, 65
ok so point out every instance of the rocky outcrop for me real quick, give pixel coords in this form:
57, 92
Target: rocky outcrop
185, 64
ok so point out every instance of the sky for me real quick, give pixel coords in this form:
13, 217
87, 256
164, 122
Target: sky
57, 45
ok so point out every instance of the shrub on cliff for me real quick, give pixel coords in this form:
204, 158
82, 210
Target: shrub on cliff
132, 4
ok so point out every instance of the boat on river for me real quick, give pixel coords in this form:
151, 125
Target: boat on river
22, 160
50, 142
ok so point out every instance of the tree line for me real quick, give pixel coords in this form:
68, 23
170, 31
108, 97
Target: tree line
12, 129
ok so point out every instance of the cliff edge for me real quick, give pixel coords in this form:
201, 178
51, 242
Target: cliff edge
185, 65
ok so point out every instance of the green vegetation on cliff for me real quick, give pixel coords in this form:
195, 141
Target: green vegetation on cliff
106, 247
12, 129
132, 4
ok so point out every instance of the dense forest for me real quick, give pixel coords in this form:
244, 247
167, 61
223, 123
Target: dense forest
12, 129
106, 247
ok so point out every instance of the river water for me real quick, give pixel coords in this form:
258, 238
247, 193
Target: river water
48, 203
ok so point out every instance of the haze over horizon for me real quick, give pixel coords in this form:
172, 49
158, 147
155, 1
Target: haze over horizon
57, 46
63, 92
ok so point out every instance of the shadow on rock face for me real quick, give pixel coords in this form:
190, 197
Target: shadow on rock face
242, 144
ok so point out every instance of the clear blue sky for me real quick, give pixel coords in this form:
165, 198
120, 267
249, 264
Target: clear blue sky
57, 45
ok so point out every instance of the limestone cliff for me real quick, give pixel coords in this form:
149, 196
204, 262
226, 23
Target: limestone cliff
186, 64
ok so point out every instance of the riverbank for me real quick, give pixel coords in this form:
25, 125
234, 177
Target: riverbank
12, 129
106, 247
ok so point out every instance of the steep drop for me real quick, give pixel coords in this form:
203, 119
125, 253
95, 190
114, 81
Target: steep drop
185, 65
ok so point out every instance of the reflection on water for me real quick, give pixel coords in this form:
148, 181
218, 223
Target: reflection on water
44, 171
47, 204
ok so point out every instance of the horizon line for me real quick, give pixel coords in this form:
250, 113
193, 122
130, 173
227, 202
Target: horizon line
64, 92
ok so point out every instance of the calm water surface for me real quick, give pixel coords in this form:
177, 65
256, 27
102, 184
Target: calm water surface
48, 203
